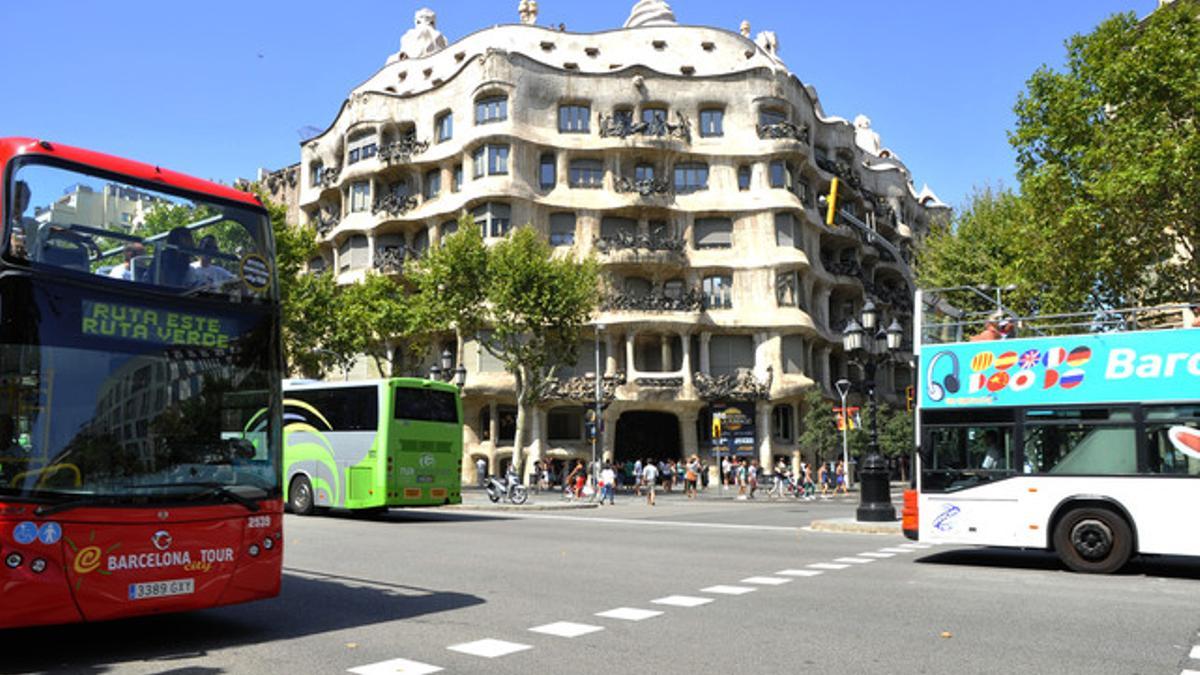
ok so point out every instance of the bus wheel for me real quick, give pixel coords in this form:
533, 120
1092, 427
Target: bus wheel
1093, 540
300, 496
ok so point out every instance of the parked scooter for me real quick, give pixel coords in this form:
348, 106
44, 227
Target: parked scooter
510, 488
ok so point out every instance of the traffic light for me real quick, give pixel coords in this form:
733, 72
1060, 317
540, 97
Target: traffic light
591, 430
716, 427
832, 210
909, 398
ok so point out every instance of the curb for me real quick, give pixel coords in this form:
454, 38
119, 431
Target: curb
532, 506
851, 526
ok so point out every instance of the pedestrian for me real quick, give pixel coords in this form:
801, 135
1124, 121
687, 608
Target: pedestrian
650, 477
576, 478
481, 470
752, 477
726, 467
823, 479
841, 478
669, 476
741, 474
809, 489
691, 476
637, 478
608, 479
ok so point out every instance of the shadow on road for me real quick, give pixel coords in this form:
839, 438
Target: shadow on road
310, 603
1167, 567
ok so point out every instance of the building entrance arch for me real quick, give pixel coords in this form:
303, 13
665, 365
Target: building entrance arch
642, 434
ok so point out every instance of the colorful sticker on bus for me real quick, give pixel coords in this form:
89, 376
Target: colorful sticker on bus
1145, 366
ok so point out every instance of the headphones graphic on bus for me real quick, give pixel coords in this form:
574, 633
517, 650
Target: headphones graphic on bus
937, 391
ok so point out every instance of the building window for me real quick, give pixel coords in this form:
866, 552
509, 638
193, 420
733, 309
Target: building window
573, 119
586, 173
494, 219
445, 126
691, 177
497, 160
718, 292
353, 253
448, 228
743, 176
713, 233
315, 172
562, 229
491, 109
768, 116
779, 174
729, 354
782, 423
643, 172
565, 424
673, 288
785, 230
457, 180
548, 171
477, 163
787, 289
362, 148
316, 265
433, 183
804, 192
712, 123
793, 354
360, 196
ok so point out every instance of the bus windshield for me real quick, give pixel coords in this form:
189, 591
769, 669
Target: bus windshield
119, 233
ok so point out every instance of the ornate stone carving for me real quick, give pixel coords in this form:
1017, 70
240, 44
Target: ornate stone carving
528, 11
769, 42
325, 222
744, 29
743, 386
845, 268
623, 127
423, 38
783, 130
581, 388
278, 180
402, 150
390, 259
865, 137
330, 175
688, 301
394, 204
659, 382
646, 187
633, 240
650, 13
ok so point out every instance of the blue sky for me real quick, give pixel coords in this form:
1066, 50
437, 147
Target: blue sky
218, 88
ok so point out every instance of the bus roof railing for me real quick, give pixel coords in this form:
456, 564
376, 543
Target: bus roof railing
942, 322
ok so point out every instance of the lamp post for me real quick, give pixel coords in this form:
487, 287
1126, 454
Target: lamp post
444, 372
875, 501
843, 388
598, 421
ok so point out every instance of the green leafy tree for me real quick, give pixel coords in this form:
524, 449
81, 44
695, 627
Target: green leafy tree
820, 436
1108, 154
896, 434
373, 316
450, 285
538, 304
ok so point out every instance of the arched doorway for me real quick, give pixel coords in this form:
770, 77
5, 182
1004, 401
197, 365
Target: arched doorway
643, 434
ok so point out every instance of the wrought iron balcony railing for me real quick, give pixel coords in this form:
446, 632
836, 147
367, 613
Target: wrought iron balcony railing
402, 150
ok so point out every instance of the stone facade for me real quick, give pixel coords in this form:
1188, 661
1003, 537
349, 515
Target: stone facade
689, 160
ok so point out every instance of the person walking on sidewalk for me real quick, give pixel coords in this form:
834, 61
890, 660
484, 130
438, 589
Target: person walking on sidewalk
752, 477
608, 484
637, 478
650, 477
692, 476
810, 491
841, 479
823, 479
576, 478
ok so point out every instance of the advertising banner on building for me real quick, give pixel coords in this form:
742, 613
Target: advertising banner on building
737, 426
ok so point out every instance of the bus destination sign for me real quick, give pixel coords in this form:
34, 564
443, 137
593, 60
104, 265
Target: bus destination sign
130, 322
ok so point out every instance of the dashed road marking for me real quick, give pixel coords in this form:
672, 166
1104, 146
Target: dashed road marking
661, 523
396, 667
799, 573
1189, 672
873, 554
1195, 653
629, 614
918, 546
854, 561
828, 566
566, 629
489, 648
682, 601
894, 549
765, 581
728, 590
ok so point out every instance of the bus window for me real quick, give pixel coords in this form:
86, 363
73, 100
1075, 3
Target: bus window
424, 405
1081, 441
957, 457
1173, 436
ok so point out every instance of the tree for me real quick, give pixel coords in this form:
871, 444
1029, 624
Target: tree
896, 434
820, 436
538, 304
450, 285
373, 315
1108, 155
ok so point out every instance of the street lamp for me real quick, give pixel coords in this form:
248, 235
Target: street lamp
875, 501
843, 388
445, 373
597, 422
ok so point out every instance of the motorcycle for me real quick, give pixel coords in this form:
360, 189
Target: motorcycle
510, 488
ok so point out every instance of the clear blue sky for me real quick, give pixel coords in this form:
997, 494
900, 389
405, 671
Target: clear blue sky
218, 88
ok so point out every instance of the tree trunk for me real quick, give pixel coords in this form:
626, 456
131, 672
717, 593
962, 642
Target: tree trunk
519, 437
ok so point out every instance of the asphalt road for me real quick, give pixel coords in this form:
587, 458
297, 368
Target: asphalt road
428, 586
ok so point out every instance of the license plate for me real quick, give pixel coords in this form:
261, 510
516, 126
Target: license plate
424, 479
161, 589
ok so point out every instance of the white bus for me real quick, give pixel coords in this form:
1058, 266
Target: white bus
1085, 442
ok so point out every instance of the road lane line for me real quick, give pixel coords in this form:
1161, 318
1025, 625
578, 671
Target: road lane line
629, 614
1195, 653
489, 648
664, 523
876, 555
566, 629
766, 581
682, 601
728, 590
800, 573
828, 566
396, 667
915, 546
855, 561
894, 549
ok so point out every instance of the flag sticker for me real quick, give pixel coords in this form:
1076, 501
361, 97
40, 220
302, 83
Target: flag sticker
1055, 356
1029, 359
1006, 360
982, 361
1071, 379
997, 382
1079, 356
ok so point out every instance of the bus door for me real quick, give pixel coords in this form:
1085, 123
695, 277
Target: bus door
967, 476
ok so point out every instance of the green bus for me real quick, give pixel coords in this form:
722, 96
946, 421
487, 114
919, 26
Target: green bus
370, 445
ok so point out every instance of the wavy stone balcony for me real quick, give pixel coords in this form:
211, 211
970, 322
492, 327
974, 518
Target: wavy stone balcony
783, 131
402, 150
612, 126
688, 301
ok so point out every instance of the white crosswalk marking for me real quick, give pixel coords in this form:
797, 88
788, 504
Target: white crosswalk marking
918, 546
1189, 672
728, 590
799, 573
894, 549
682, 601
828, 566
489, 648
1195, 653
873, 554
765, 581
629, 614
855, 561
566, 629
395, 667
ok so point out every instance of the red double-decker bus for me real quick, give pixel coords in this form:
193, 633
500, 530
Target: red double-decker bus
140, 405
